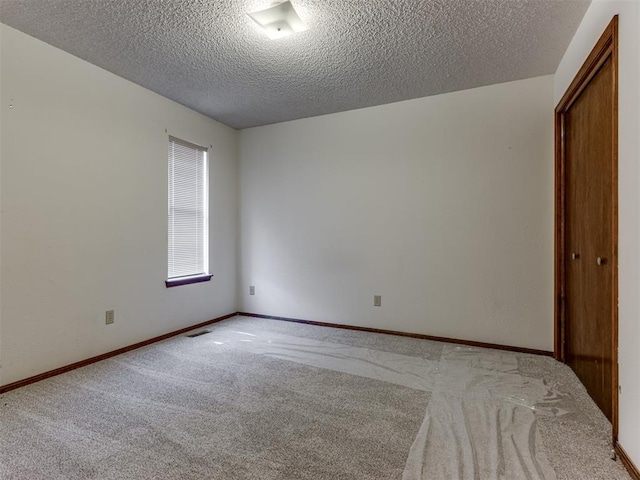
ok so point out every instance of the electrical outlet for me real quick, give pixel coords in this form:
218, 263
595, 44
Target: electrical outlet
252, 290
377, 300
110, 317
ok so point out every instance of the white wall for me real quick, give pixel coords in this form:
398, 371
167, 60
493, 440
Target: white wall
84, 204
596, 19
442, 205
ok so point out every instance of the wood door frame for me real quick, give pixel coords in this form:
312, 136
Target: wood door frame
606, 48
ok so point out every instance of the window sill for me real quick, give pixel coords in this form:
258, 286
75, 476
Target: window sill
176, 282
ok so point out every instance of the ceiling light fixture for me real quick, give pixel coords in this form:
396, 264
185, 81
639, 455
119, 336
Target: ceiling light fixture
279, 20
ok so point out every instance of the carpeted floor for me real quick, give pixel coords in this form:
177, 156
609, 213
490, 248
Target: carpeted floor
263, 399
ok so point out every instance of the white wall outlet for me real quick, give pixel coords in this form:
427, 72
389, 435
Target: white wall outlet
377, 300
110, 317
252, 290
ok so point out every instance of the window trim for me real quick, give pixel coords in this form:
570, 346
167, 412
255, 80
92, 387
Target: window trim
178, 281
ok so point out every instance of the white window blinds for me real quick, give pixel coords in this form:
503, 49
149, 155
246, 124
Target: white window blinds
188, 210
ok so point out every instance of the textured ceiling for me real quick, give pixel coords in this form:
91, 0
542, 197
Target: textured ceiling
210, 56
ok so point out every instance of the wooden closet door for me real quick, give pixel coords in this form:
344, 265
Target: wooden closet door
590, 237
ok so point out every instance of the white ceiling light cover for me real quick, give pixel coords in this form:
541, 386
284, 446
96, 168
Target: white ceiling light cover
279, 20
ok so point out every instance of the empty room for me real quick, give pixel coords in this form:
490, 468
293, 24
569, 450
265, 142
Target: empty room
320, 239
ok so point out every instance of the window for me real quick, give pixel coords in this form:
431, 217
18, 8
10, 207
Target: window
188, 232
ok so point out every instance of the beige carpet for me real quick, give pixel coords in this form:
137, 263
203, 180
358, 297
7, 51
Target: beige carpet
263, 399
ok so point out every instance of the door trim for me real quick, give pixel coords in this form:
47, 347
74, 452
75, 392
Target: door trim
606, 48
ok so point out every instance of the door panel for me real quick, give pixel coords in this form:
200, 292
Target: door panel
589, 232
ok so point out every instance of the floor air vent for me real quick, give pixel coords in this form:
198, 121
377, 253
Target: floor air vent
194, 335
